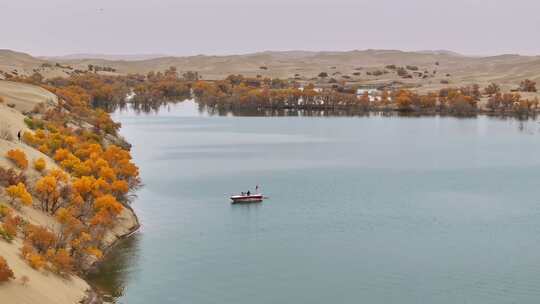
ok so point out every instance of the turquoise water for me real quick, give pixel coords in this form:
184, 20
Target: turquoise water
361, 210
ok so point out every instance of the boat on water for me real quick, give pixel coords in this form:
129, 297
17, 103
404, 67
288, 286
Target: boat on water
253, 198
248, 197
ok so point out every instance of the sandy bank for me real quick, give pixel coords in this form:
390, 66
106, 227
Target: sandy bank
42, 288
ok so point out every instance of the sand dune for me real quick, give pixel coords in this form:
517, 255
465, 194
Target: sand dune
25, 97
507, 70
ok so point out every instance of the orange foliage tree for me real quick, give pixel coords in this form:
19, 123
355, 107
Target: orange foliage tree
18, 157
61, 260
403, 99
39, 237
6, 273
107, 209
8, 230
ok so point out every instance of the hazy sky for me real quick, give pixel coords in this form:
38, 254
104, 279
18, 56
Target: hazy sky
189, 27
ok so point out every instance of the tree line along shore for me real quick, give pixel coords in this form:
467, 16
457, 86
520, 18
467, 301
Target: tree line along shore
237, 93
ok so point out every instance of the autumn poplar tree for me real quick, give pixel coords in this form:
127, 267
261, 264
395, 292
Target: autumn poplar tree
19, 194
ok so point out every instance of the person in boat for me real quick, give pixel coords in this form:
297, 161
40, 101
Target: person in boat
248, 193
242, 193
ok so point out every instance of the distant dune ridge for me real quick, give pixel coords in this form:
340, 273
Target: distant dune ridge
441, 66
133, 57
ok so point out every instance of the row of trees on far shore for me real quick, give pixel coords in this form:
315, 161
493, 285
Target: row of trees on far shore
236, 91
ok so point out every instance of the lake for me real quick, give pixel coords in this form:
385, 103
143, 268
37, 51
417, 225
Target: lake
362, 210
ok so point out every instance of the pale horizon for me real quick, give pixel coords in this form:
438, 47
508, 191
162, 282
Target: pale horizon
159, 55
211, 27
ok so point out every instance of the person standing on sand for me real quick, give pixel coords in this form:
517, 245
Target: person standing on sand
19, 135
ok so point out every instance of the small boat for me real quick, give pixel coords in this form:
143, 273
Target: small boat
253, 198
247, 197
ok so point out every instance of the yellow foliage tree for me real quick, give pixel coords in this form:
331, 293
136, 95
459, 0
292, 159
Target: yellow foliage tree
18, 193
71, 163
62, 261
47, 191
40, 164
44, 149
5, 210
53, 189
59, 175
36, 261
94, 252
107, 208
82, 169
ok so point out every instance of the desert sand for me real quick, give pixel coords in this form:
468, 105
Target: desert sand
42, 287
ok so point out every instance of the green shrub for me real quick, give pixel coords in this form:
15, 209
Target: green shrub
33, 124
5, 235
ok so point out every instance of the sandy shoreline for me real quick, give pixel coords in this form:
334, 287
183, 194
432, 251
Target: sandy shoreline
130, 224
93, 295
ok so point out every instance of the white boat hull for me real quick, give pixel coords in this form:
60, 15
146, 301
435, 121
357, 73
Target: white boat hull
247, 198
